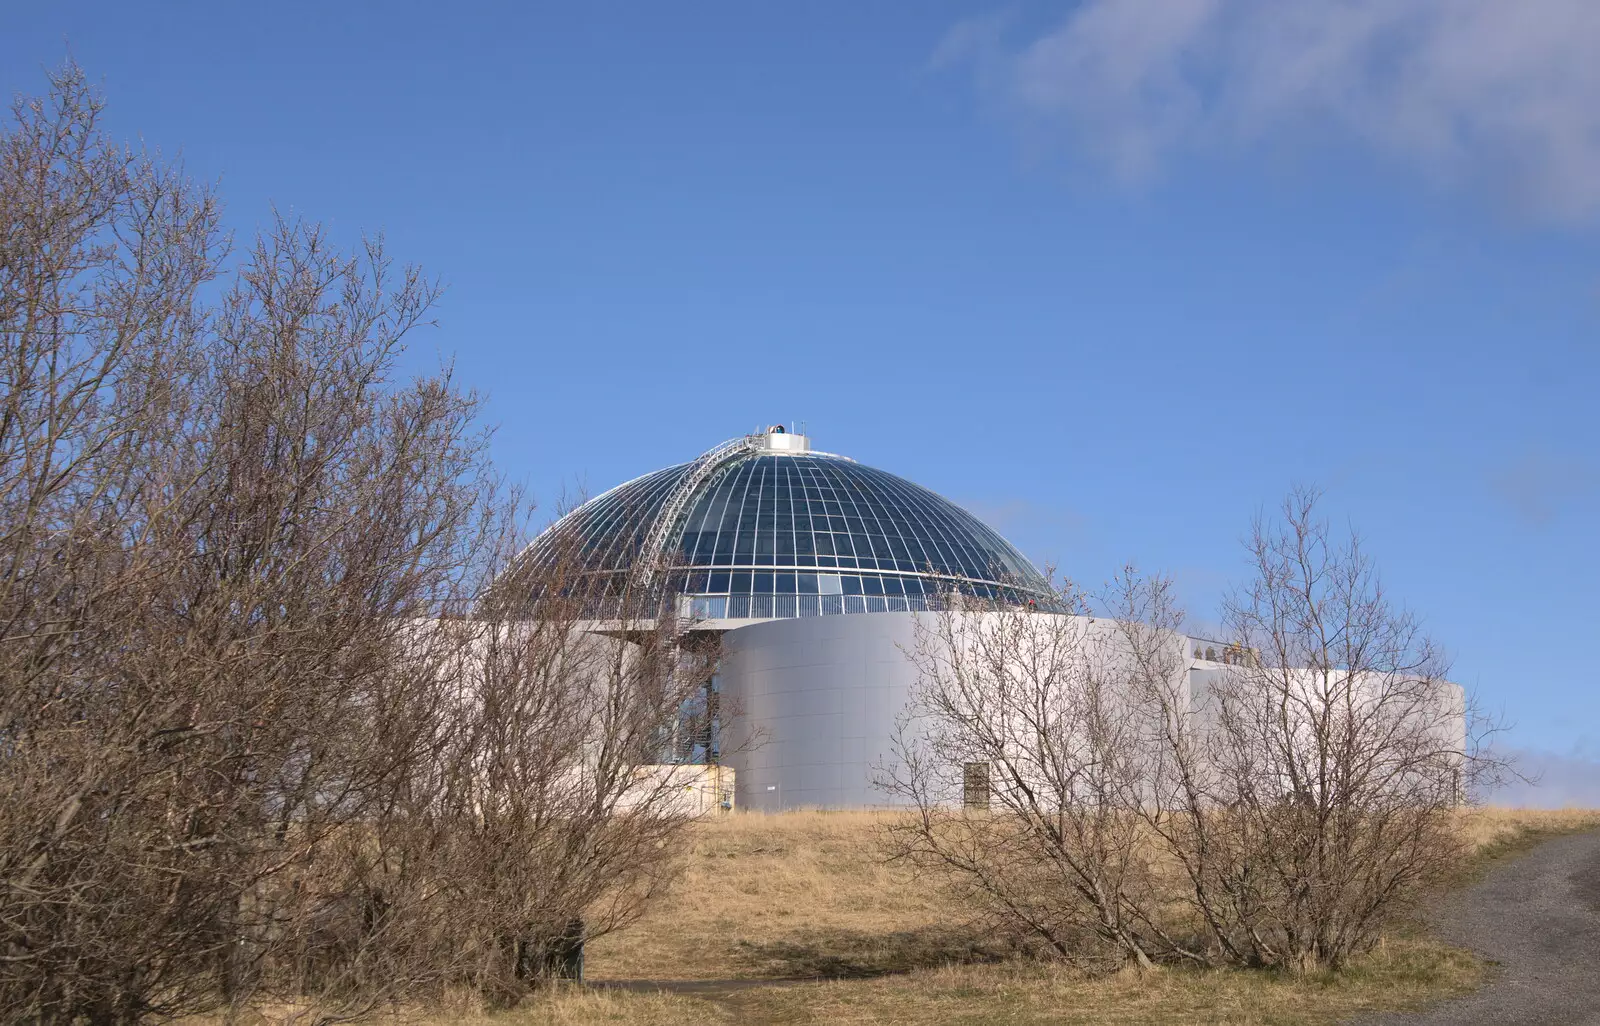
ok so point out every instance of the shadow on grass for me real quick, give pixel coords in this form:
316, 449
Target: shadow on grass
829, 955
852, 954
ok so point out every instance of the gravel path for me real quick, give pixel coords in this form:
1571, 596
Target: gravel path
1538, 917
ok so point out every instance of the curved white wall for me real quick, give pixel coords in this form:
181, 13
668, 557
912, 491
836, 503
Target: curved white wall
826, 691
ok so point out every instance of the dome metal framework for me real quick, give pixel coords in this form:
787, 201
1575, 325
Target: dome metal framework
764, 527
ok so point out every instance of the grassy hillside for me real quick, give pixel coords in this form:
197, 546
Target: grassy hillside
796, 918
797, 894
808, 894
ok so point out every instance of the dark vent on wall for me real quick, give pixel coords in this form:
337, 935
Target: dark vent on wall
975, 785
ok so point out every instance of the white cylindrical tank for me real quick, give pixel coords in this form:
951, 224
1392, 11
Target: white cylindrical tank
813, 703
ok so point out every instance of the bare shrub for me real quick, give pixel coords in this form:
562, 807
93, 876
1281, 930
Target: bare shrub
259, 737
1036, 703
1338, 751
1280, 807
542, 816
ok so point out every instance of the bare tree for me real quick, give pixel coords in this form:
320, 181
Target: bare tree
1022, 752
104, 254
259, 735
1340, 752
1279, 806
545, 814
1308, 783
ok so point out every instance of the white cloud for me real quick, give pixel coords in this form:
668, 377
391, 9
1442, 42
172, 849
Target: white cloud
1502, 95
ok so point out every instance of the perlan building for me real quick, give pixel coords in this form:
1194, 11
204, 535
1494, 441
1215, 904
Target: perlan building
813, 569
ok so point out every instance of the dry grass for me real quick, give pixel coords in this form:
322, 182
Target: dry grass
1497, 834
808, 894
1404, 973
796, 894
769, 898
1033, 993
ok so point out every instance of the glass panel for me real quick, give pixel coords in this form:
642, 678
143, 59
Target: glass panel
709, 607
806, 511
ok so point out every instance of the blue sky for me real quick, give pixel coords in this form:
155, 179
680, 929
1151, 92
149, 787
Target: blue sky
1112, 277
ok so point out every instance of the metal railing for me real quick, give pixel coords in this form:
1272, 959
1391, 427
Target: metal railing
785, 607
1229, 652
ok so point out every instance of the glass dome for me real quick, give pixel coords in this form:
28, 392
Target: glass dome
764, 527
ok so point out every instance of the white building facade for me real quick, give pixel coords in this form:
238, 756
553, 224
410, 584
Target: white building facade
814, 571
